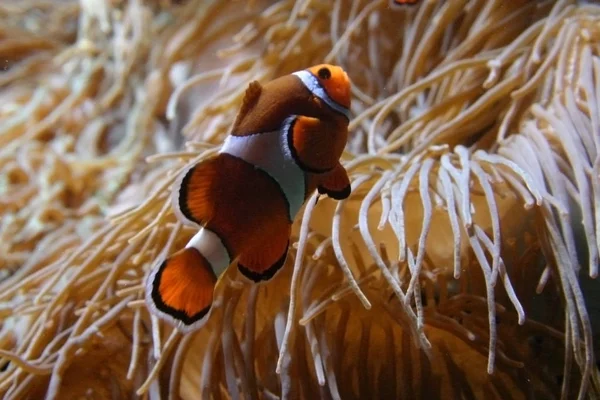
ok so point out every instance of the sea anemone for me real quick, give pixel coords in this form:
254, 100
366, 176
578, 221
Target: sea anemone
462, 261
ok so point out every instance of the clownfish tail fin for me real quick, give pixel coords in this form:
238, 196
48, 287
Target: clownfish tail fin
181, 289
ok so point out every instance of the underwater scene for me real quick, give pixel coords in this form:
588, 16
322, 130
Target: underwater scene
299, 199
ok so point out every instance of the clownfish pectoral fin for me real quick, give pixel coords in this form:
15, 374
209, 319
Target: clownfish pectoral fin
250, 99
262, 261
335, 183
315, 145
181, 289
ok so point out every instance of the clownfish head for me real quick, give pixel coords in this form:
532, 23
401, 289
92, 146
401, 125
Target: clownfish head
330, 84
335, 81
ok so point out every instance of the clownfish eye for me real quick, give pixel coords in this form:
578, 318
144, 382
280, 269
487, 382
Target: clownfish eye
324, 73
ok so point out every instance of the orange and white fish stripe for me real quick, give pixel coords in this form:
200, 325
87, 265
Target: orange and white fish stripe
285, 143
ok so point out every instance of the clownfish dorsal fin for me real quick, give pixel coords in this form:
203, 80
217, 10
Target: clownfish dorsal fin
250, 99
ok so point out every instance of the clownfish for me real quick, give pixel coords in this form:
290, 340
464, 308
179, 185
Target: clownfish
285, 143
401, 3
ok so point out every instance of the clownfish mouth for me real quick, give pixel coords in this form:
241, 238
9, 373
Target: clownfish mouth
311, 82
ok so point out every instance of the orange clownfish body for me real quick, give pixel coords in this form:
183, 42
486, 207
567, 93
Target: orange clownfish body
286, 142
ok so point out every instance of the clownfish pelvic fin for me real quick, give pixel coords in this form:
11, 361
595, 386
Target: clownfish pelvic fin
334, 183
